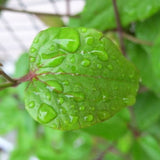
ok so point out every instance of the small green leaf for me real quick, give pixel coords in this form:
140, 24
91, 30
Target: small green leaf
81, 78
51, 21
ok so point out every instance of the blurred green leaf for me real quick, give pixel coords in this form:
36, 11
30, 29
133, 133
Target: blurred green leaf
146, 109
112, 129
51, 21
99, 14
142, 60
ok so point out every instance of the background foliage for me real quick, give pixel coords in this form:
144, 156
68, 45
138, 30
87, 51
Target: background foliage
133, 133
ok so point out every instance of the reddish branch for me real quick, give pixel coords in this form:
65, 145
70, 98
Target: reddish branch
119, 27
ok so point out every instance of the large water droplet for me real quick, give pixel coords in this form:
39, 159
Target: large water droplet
46, 113
55, 61
68, 39
88, 118
77, 96
60, 100
103, 115
52, 48
89, 40
86, 62
55, 86
33, 50
73, 119
36, 40
31, 104
102, 55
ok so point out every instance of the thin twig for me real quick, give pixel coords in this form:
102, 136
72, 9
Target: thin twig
136, 40
35, 13
119, 27
7, 77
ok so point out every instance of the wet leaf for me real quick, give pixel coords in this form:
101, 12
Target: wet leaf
81, 78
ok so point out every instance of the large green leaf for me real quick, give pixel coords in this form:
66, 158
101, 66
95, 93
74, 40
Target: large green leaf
79, 78
145, 105
99, 13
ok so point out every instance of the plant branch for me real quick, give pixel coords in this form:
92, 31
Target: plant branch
119, 27
35, 13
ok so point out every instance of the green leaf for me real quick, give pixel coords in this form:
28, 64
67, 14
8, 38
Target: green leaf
51, 21
99, 13
80, 78
145, 105
139, 57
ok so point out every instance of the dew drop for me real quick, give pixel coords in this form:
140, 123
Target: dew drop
99, 66
85, 62
72, 60
82, 108
110, 67
32, 59
60, 100
89, 40
55, 86
73, 119
55, 62
88, 118
102, 55
103, 115
33, 50
77, 96
46, 113
36, 40
68, 39
31, 104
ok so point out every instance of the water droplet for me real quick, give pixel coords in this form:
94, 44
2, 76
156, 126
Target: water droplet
60, 100
73, 119
62, 110
104, 98
88, 118
129, 100
82, 108
86, 62
99, 66
110, 67
33, 50
55, 61
102, 55
46, 113
52, 48
72, 59
89, 40
103, 115
77, 96
31, 104
32, 59
84, 30
55, 86
68, 39
66, 83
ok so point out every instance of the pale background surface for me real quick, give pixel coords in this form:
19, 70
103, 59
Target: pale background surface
17, 31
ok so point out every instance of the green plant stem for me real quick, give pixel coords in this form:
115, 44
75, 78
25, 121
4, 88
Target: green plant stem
6, 85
